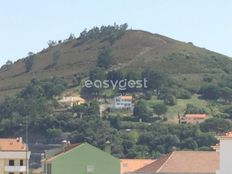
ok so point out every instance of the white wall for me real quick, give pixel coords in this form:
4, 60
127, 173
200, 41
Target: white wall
225, 156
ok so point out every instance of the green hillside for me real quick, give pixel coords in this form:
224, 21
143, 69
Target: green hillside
185, 62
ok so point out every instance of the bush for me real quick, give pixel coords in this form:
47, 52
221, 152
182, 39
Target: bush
210, 92
218, 125
54, 132
192, 109
170, 100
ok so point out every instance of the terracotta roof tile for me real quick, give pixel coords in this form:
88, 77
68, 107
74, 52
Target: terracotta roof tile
10, 144
195, 116
131, 165
185, 161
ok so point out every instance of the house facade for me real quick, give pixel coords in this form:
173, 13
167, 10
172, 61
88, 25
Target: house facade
14, 156
71, 101
123, 102
193, 118
81, 159
225, 151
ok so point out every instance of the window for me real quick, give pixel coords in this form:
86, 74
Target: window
21, 162
11, 162
90, 168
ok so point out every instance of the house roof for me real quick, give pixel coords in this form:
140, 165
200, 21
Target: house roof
195, 115
126, 97
184, 162
11, 144
50, 155
131, 165
71, 99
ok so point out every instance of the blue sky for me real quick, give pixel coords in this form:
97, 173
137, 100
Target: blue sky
27, 25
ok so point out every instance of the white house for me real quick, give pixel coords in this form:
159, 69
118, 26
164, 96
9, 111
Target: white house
225, 150
14, 156
123, 102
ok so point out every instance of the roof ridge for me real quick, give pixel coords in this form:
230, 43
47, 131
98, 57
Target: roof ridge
171, 154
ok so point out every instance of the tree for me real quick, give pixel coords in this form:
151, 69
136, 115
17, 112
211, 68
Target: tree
97, 74
189, 143
170, 100
226, 94
160, 109
105, 58
156, 80
29, 61
211, 92
218, 125
141, 111
80, 110
51, 43
94, 108
192, 109
6, 65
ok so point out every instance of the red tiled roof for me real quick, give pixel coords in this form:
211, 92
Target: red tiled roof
185, 162
126, 97
10, 144
195, 116
130, 165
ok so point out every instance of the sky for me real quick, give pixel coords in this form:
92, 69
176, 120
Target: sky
27, 25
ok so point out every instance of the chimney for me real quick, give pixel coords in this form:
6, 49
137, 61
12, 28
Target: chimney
108, 147
42, 156
19, 139
65, 144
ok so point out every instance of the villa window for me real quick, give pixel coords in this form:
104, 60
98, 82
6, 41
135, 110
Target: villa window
21, 162
11, 162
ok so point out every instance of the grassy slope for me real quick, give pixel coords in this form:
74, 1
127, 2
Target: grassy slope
180, 107
136, 49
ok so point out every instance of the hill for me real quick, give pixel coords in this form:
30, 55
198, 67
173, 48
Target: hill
185, 62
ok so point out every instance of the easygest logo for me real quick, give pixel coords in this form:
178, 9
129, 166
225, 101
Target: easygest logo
120, 84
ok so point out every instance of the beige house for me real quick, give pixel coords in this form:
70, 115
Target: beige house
14, 156
71, 101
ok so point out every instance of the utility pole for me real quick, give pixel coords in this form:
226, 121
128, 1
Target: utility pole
26, 139
26, 144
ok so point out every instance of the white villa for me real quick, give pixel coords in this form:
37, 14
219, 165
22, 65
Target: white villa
122, 102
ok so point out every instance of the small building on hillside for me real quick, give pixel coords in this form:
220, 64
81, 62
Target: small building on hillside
79, 158
122, 102
71, 101
131, 165
183, 162
14, 156
193, 118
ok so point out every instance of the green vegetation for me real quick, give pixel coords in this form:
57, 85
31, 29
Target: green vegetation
181, 78
29, 61
110, 33
105, 59
36, 103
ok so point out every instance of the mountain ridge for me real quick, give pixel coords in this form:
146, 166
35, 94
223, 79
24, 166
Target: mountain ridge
134, 49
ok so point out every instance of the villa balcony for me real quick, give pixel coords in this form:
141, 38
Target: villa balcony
15, 168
